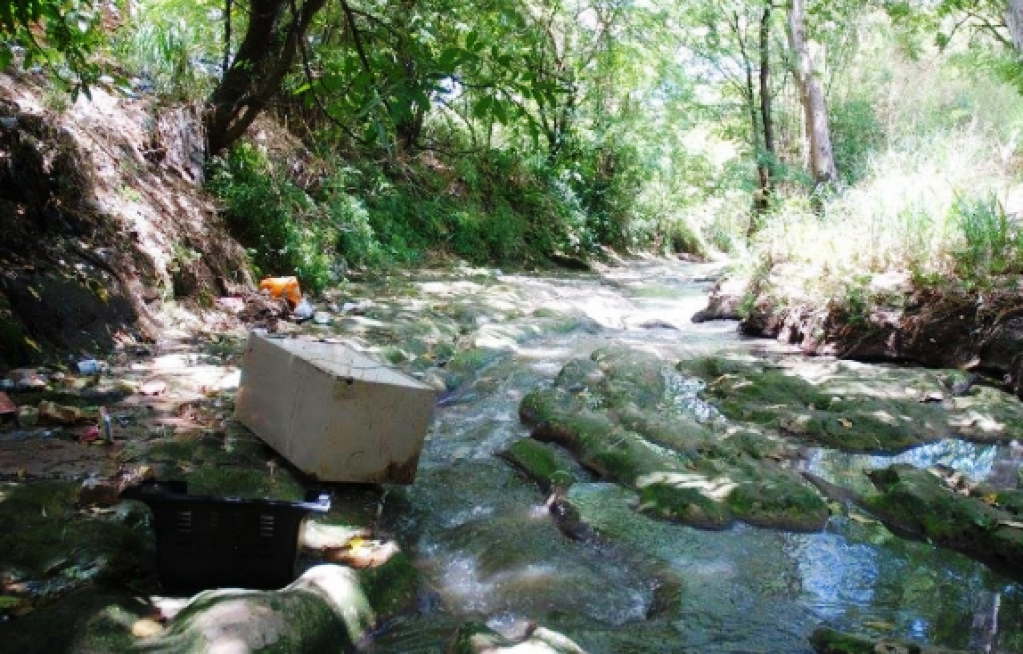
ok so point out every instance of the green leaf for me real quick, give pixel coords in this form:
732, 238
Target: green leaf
449, 59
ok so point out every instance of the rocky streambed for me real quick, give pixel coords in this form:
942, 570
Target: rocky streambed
602, 476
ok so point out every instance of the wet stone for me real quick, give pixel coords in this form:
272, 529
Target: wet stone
982, 524
624, 429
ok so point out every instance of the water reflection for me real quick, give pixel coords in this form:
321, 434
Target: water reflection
997, 465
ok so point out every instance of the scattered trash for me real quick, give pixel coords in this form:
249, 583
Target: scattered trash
303, 311
336, 414
28, 382
88, 434
321, 318
356, 307
51, 413
8, 410
204, 542
28, 416
89, 367
153, 387
108, 431
96, 491
363, 554
286, 287
146, 628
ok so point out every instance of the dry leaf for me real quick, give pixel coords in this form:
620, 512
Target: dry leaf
845, 423
146, 628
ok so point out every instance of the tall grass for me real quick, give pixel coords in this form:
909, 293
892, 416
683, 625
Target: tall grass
173, 46
938, 202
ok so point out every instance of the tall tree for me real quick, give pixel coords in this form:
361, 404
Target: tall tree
275, 31
815, 113
1014, 21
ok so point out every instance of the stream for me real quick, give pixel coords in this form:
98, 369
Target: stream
489, 550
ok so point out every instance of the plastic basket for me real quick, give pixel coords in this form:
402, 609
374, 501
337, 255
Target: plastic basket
205, 542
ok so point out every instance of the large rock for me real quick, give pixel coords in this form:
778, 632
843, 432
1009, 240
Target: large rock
617, 416
328, 609
983, 524
856, 407
477, 638
829, 641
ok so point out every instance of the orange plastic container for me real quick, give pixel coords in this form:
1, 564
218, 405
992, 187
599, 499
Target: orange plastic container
283, 286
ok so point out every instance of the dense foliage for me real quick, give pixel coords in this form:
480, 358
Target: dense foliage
511, 131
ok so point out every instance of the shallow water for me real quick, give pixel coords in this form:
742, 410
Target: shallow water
490, 551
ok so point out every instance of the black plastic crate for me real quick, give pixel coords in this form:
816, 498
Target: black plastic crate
205, 542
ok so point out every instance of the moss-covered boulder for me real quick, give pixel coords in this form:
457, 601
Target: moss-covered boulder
477, 638
856, 407
544, 464
842, 405
829, 641
328, 609
983, 525
49, 545
615, 413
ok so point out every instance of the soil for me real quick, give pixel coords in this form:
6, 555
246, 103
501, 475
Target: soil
935, 327
103, 222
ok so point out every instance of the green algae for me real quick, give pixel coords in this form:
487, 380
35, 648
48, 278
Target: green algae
44, 538
855, 407
830, 641
617, 424
921, 504
542, 463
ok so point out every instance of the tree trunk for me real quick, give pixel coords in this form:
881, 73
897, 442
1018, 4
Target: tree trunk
815, 114
766, 116
265, 56
766, 157
1014, 21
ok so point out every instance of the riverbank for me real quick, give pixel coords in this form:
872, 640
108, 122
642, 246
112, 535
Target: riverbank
577, 523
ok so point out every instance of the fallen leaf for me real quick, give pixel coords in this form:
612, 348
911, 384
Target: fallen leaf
990, 499
862, 519
879, 625
845, 423
146, 628
1009, 523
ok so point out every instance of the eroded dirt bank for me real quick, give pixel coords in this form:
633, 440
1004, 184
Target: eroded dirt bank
976, 331
102, 223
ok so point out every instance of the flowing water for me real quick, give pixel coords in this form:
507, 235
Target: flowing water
490, 551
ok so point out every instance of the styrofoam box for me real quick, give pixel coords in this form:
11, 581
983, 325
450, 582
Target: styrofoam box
336, 414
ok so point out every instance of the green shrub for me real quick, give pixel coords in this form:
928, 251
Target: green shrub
284, 230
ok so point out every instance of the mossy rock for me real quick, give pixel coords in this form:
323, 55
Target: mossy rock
46, 540
540, 462
920, 503
93, 619
477, 638
393, 587
610, 412
245, 482
829, 641
842, 405
539, 407
631, 376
